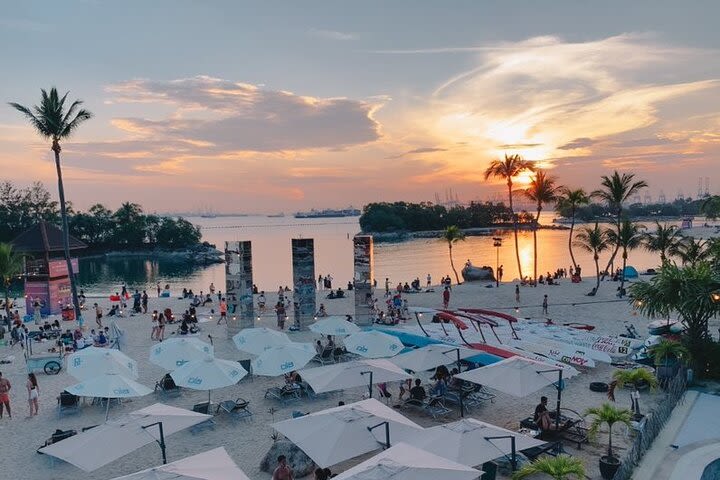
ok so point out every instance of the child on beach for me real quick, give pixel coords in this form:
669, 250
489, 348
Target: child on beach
446, 297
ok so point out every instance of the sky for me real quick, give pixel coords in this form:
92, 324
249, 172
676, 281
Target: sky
235, 106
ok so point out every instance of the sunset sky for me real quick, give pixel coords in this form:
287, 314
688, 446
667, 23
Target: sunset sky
288, 105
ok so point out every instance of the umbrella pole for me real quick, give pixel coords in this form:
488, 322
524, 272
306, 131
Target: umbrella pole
161, 441
559, 398
460, 395
107, 408
513, 451
371, 381
387, 432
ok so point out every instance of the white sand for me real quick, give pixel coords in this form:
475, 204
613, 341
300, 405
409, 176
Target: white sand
247, 441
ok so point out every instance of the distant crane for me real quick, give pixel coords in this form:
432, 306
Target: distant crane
661, 197
707, 187
647, 199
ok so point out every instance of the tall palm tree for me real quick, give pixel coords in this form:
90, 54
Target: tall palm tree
52, 120
610, 415
663, 240
616, 190
452, 235
11, 266
542, 190
691, 251
506, 169
570, 200
711, 207
561, 467
595, 241
628, 238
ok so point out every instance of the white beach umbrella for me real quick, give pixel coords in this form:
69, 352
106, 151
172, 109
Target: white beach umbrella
517, 376
208, 374
105, 443
373, 344
353, 374
92, 361
334, 325
109, 385
340, 433
467, 441
432, 356
282, 359
405, 462
177, 351
257, 340
214, 464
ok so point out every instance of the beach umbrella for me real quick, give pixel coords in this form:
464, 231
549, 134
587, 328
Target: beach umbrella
208, 374
257, 340
177, 351
93, 361
432, 356
353, 374
214, 464
105, 443
405, 462
373, 344
109, 385
283, 359
335, 325
341, 433
472, 442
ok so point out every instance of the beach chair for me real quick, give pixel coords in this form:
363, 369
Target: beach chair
203, 407
167, 386
549, 448
433, 406
67, 403
327, 356
238, 408
283, 394
247, 365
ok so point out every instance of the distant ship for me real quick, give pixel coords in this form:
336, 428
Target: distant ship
329, 213
276, 215
207, 212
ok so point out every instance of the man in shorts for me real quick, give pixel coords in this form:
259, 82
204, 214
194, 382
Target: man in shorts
282, 471
5, 395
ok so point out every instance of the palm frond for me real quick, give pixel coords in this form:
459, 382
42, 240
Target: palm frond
559, 468
35, 121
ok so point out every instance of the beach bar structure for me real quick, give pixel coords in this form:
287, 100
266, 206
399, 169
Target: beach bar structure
303, 262
239, 286
363, 278
47, 282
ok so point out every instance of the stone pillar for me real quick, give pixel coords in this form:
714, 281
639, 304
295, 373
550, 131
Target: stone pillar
303, 262
239, 286
363, 279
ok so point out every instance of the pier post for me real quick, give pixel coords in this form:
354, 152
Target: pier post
239, 286
303, 262
363, 278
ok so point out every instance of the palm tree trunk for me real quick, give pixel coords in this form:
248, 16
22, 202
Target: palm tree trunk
535, 255
452, 264
617, 247
66, 231
572, 227
515, 230
597, 272
7, 305
610, 452
622, 277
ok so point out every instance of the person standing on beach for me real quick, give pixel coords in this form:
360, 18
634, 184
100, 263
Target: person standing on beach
5, 395
446, 297
429, 280
33, 394
144, 301
212, 288
223, 311
158, 289
545, 305
387, 287
161, 320
282, 471
280, 312
517, 294
98, 315
500, 273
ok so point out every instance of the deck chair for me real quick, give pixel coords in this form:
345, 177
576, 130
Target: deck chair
247, 365
166, 385
203, 407
67, 403
238, 408
283, 394
327, 356
433, 406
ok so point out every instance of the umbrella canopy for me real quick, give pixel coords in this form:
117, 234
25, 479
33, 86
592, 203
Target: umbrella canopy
282, 359
105, 443
352, 374
432, 356
211, 465
177, 351
109, 385
517, 376
335, 325
208, 374
340, 433
465, 441
405, 462
373, 344
257, 340
92, 361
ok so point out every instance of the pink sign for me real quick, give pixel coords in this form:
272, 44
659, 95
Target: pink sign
58, 267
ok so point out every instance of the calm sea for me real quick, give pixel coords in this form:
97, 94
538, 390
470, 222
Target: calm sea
333, 255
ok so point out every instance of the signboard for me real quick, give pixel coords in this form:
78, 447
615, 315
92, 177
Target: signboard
57, 267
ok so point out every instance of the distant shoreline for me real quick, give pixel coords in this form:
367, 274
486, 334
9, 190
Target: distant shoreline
396, 237
198, 255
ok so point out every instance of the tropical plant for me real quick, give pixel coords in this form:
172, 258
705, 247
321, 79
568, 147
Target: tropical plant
11, 267
511, 166
667, 350
52, 120
567, 204
711, 207
690, 292
542, 190
636, 377
595, 241
628, 237
452, 235
615, 191
562, 467
610, 415
663, 240
691, 251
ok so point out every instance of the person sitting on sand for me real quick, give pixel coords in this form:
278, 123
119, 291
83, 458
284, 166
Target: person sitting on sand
101, 339
321, 312
196, 301
207, 300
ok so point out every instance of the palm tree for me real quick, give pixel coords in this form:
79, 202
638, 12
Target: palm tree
557, 468
668, 350
663, 240
711, 207
542, 190
570, 200
610, 415
11, 266
595, 241
691, 251
53, 121
636, 377
506, 169
616, 190
627, 238
451, 235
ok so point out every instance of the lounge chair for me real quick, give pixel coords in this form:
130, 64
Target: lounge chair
572, 430
237, 408
327, 356
67, 403
433, 406
203, 407
167, 386
283, 394
549, 448
247, 365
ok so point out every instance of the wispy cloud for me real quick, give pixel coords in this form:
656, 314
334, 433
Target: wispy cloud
332, 34
418, 151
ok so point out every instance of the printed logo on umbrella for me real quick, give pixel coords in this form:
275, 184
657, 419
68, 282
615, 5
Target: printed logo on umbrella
194, 381
121, 391
394, 347
361, 348
240, 340
287, 366
180, 363
77, 361
234, 373
158, 350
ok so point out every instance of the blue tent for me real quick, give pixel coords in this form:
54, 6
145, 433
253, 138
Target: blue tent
630, 272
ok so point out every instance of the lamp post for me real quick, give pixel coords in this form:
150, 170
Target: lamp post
497, 243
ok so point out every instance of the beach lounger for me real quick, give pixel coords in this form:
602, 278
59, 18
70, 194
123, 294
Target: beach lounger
549, 448
571, 430
237, 408
203, 407
167, 386
433, 406
327, 356
67, 403
247, 365
283, 394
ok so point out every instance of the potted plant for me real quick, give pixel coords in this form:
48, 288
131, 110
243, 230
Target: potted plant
561, 467
610, 415
637, 378
668, 354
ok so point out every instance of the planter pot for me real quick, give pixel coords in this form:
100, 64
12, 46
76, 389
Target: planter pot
608, 466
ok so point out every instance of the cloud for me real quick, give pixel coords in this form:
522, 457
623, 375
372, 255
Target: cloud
581, 142
517, 146
417, 151
332, 34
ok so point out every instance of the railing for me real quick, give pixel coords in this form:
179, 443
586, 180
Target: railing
655, 422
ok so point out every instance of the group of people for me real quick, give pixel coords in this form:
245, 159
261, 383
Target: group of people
33, 391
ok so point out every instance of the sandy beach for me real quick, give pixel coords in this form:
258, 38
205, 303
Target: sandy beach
247, 441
